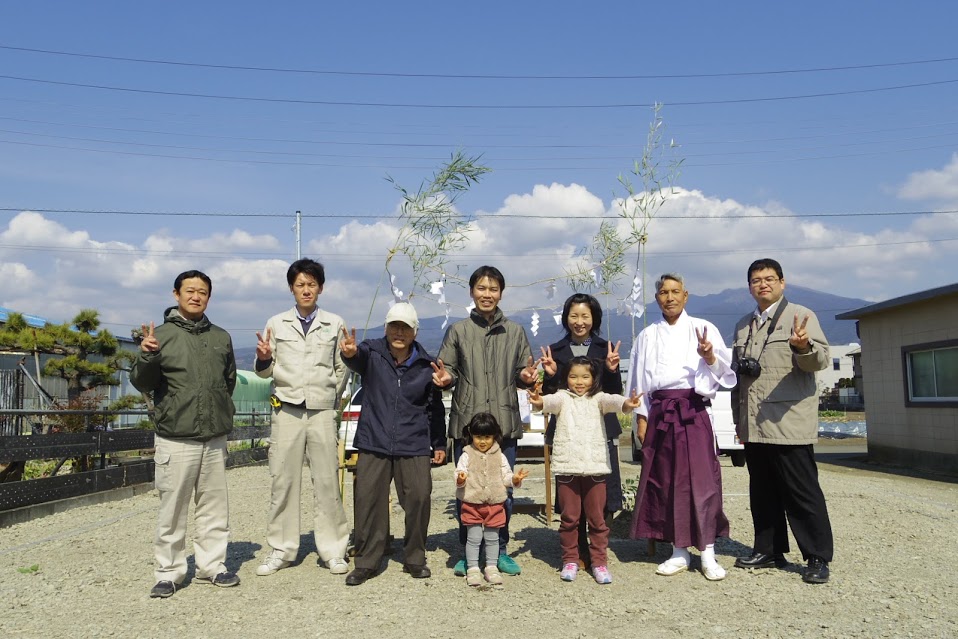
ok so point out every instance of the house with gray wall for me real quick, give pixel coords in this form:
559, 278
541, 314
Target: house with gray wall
909, 370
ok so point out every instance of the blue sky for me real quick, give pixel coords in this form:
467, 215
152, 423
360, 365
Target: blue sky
768, 171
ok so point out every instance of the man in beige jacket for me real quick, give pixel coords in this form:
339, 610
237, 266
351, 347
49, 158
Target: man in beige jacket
776, 352
299, 349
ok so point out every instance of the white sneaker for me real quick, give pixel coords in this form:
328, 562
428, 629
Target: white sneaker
338, 566
492, 575
474, 576
270, 566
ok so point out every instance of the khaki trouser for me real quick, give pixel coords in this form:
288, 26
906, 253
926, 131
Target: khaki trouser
299, 434
186, 468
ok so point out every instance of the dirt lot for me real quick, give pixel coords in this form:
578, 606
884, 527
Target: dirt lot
893, 575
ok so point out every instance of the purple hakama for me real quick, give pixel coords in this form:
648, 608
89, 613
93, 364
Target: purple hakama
679, 498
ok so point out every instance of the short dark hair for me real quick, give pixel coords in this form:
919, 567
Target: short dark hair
188, 275
594, 307
594, 366
762, 264
310, 267
482, 424
487, 271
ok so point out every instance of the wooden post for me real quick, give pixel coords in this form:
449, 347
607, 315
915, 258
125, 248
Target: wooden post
547, 456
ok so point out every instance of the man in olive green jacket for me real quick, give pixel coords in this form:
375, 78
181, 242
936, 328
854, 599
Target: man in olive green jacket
187, 365
777, 350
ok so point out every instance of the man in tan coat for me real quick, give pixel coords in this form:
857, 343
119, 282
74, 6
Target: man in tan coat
777, 349
299, 349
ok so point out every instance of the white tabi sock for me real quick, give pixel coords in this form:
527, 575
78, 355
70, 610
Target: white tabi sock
708, 556
680, 557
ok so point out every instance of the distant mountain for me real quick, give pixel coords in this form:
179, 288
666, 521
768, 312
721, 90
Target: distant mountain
722, 309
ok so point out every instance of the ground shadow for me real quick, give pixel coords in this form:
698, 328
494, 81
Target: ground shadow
861, 461
240, 552
538, 543
237, 554
637, 550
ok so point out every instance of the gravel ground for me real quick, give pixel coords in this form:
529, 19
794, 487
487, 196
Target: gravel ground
893, 576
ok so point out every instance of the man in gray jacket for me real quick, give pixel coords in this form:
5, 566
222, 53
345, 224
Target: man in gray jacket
486, 357
777, 349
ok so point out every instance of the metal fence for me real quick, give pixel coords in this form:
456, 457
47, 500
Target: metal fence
101, 446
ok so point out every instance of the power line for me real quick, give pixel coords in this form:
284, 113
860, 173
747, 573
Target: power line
496, 107
502, 169
353, 256
483, 133
461, 76
935, 136
375, 216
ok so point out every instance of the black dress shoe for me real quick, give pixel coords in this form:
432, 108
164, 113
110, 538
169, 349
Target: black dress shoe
417, 572
761, 560
816, 572
359, 576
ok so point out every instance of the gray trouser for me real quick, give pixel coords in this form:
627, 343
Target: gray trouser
475, 535
374, 473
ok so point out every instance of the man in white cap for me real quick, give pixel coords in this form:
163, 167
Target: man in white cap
401, 433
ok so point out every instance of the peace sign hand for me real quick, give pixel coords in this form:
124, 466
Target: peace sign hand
535, 398
264, 351
633, 402
149, 343
612, 359
529, 374
799, 337
705, 346
548, 364
518, 476
440, 376
347, 345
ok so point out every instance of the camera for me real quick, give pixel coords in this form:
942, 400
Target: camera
747, 366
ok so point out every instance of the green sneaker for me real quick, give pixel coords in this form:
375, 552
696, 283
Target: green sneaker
508, 565
459, 569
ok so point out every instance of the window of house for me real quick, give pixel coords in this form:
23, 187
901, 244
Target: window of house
836, 364
932, 372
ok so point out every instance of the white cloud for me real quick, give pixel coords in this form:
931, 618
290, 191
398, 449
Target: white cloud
933, 184
54, 269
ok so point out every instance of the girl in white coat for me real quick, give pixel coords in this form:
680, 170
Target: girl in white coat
580, 460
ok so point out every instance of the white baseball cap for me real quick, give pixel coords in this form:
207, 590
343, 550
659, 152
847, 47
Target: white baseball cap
405, 313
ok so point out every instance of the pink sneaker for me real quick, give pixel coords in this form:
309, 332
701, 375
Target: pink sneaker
602, 575
569, 572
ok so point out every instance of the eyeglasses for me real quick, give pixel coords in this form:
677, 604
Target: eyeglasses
755, 281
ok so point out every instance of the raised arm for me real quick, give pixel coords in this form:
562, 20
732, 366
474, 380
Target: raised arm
146, 374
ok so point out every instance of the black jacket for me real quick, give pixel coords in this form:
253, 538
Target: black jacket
402, 412
611, 382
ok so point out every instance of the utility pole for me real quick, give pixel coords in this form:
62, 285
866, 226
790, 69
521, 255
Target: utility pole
297, 228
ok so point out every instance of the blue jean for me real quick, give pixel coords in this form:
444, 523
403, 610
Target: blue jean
508, 448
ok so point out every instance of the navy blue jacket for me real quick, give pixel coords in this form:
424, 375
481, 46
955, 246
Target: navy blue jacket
402, 412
